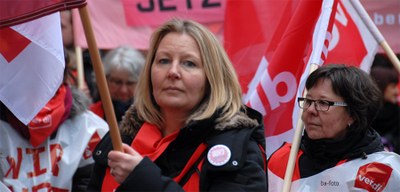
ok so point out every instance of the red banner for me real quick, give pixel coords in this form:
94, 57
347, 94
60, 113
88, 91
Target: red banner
18, 11
270, 44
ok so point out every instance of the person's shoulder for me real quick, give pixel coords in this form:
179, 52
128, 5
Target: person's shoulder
246, 118
386, 156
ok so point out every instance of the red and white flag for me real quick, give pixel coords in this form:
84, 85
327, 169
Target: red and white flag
352, 42
32, 65
31, 53
271, 44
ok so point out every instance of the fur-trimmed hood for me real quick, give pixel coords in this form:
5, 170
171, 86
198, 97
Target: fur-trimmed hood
246, 118
80, 102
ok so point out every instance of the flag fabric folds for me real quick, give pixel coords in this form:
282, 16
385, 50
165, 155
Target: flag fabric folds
271, 46
32, 65
31, 53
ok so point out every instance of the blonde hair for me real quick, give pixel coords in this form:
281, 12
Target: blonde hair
223, 93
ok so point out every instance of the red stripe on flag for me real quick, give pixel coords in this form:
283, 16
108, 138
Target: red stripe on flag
12, 43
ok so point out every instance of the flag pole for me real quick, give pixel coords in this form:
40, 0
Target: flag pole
295, 145
327, 17
101, 79
79, 67
376, 33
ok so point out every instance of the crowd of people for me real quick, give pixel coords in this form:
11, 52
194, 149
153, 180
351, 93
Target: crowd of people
184, 126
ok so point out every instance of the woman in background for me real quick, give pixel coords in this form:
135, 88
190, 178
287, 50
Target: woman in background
122, 67
387, 122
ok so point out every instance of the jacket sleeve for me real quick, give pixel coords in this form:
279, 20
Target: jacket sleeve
96, 178
100, 163
147, 177
81, 178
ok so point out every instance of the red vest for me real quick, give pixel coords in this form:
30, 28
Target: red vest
277, 163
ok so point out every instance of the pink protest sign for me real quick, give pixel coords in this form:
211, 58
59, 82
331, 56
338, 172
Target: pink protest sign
155, 12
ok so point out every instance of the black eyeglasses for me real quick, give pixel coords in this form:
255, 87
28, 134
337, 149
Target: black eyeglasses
119, 82
320, 105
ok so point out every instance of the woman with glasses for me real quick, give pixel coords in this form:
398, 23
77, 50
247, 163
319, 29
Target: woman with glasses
122, 67
339, 150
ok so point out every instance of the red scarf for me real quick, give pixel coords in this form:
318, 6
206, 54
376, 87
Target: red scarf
47, 120
149, 142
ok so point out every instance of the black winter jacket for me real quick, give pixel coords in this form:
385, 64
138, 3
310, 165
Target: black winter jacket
245, 170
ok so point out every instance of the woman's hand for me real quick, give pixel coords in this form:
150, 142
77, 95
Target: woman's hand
122, 163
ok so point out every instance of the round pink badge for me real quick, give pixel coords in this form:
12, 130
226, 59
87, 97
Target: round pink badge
219, 155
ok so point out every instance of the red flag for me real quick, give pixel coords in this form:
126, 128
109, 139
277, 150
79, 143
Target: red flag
270, 45
352, 42
31, 56
18, 11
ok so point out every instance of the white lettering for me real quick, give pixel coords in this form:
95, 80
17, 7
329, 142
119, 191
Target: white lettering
342, 19
378, 19
386, 19
270, 88
390, 19
375, 186
335, 38
340, 16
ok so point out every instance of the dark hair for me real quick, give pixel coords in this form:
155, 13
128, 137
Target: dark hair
384, 76
356, 87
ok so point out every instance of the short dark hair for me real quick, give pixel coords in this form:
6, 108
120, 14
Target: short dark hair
355, 86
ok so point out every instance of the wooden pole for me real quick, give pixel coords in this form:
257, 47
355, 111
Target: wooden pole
101, 79
79, 67
376, 33
295, 146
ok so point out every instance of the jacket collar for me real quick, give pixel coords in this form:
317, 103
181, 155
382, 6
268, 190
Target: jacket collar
246, 118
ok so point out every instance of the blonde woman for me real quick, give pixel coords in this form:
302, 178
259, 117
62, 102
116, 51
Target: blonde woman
188, 129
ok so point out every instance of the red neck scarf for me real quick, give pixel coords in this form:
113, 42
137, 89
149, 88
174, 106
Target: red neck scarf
149, 142
47, 120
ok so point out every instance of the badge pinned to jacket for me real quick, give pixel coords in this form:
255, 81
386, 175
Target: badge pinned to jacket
219, 155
